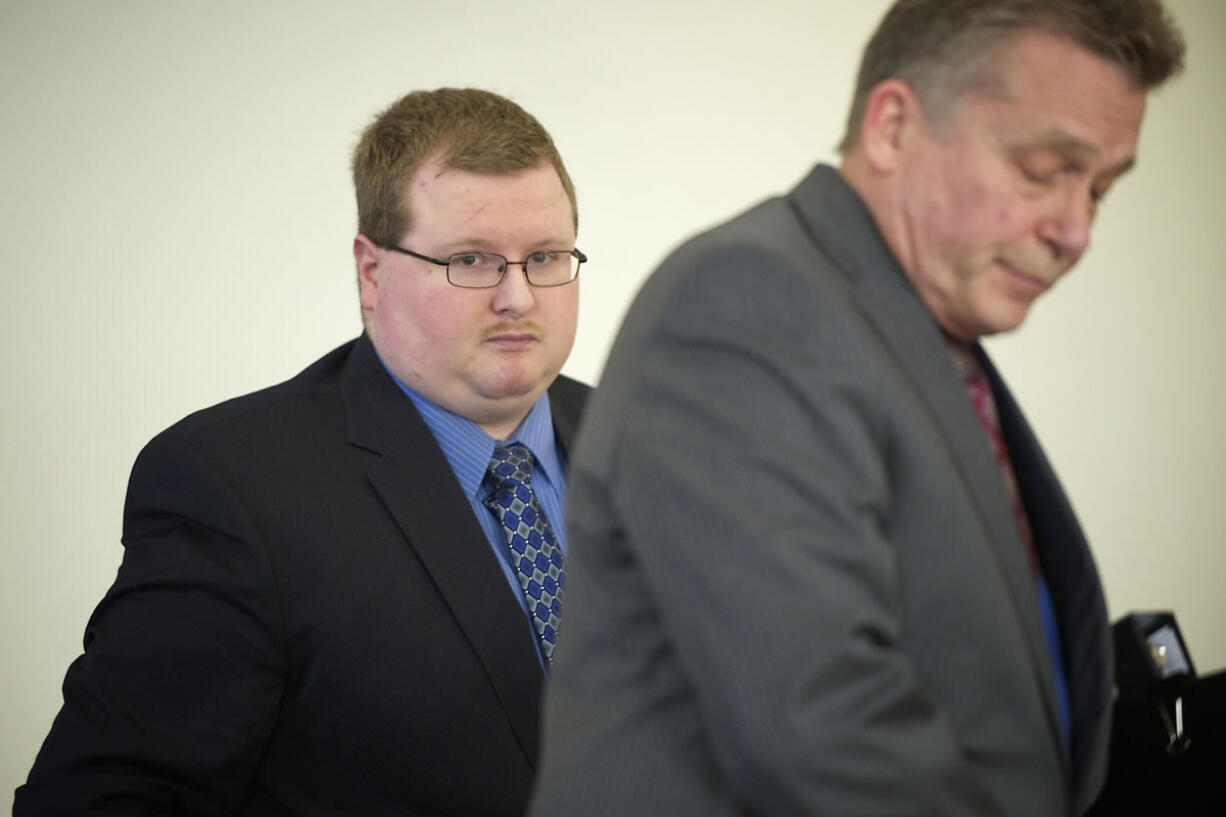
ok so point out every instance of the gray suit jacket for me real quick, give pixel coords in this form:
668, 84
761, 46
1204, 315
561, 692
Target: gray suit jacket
796, 586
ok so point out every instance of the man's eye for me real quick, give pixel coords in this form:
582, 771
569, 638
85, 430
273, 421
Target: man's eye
468, 260
1038, 175
540, 258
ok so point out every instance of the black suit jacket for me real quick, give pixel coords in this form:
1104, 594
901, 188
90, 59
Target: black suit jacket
308, 620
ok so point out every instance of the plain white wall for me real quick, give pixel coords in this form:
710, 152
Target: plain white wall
177, 216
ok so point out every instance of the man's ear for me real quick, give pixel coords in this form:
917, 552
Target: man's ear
367, 256
890, 115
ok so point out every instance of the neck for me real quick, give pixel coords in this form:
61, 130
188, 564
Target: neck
882, 200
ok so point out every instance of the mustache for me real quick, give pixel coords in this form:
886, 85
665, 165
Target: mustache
513, 328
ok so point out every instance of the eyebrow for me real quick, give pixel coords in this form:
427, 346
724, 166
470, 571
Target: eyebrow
483, 245
1063, 142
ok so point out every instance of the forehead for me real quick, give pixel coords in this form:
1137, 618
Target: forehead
1050, 89
455, 204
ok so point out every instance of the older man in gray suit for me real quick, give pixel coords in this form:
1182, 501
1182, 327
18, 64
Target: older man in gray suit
819, 563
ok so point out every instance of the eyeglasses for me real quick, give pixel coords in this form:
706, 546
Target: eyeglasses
481, 270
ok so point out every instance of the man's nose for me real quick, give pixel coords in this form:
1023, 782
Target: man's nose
514, 295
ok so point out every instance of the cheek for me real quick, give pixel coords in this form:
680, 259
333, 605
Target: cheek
420, 321
991, 207
946, 205
979, 217
564, 314
1007, 220
966, 193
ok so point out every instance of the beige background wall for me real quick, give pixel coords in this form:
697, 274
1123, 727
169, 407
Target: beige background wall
176, 217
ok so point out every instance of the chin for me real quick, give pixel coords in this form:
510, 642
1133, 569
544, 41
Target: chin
507, 386
1004, 324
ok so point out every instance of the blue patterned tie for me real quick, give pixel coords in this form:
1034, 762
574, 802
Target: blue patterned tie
535, 553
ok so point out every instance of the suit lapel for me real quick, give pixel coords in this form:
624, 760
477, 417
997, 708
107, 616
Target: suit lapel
566, 400
843, 229
1075, 585
415, 482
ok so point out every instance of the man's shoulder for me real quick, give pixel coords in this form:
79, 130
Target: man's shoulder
568, 391
567, 399
777, 234
782, 213
317, 383
758, 226
762, 255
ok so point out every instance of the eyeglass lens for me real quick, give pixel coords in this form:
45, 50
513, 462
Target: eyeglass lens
485, 269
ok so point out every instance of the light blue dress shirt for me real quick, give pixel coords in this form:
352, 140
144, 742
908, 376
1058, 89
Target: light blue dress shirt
468, 449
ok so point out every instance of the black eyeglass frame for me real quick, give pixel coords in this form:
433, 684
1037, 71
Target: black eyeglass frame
506, 262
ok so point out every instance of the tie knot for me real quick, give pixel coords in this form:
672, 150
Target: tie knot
964, 359
513, 462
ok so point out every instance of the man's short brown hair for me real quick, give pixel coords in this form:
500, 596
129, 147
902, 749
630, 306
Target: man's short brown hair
942, 48
462, 128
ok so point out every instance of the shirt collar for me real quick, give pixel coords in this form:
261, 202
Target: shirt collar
468, 448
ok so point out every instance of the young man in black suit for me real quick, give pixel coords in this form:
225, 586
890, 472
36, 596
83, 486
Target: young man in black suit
318, 611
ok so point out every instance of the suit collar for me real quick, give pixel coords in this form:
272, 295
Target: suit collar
417, 486
842, 227
378, 415
468, 447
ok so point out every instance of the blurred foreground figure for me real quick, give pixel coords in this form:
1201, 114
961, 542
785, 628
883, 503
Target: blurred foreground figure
820, 565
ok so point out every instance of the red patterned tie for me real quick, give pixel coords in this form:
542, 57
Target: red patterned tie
985, 407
